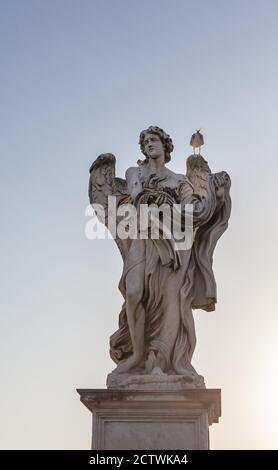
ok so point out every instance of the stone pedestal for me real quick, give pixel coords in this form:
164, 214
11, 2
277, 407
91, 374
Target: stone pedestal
152, 420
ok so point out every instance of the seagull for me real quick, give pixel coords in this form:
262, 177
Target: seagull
197, 140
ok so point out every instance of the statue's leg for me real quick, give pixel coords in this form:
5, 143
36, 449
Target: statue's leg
135, 311
185, 345
161, 359
168, 336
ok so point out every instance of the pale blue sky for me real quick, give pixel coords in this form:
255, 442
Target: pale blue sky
79, 78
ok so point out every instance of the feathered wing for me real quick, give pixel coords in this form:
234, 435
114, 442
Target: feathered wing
103, 183
198, 172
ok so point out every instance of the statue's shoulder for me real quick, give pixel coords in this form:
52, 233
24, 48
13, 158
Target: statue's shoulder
172, 173
183, 180
178, 178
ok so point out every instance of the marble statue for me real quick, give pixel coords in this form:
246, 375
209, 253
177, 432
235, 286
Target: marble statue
155, 341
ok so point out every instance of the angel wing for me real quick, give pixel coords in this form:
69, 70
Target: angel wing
103, 183
210, 189
198, 172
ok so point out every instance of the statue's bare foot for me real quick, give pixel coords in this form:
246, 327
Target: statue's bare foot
125, 366
149, 363
157, 371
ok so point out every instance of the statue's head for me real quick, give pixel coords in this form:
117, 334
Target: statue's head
164, 138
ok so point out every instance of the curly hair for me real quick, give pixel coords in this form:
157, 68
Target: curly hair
165, 139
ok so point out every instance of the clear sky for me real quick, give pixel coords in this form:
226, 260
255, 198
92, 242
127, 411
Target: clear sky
79, 78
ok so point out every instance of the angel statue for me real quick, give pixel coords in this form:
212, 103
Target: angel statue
155, 341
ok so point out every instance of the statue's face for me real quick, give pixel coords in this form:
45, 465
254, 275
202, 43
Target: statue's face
153, 146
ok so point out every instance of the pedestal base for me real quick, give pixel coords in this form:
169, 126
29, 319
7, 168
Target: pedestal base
152, 420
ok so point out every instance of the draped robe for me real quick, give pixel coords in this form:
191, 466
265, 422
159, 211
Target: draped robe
176, 282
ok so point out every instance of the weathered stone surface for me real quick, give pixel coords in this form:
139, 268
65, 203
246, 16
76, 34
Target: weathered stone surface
161, 283
155, 397
152, 420
154, 382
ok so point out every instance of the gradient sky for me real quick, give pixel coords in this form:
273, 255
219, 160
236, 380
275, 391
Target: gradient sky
79, 78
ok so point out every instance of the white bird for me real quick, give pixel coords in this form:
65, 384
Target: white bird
197, 140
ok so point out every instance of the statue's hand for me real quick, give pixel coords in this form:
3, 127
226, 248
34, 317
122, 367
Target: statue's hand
220, 179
